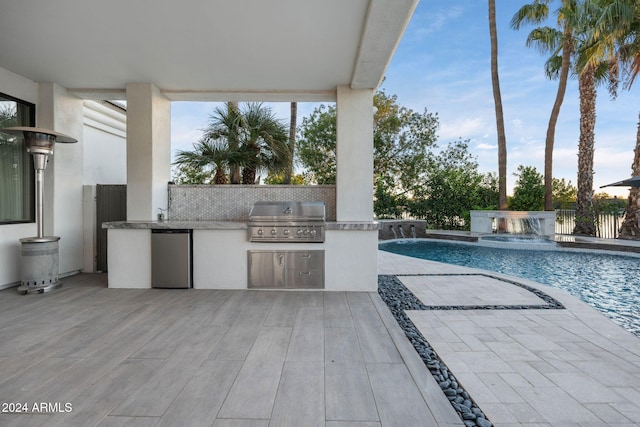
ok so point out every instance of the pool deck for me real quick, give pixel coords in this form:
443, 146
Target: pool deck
292, 358
525, 367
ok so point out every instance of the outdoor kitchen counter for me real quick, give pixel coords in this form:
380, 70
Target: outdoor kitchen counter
176, 225
223, 225
220, 253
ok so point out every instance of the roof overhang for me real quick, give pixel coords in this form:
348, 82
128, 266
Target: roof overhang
204, 50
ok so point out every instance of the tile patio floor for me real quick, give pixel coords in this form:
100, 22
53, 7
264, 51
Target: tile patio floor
274, 358
201, 358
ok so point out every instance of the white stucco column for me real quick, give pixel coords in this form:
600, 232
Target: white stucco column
354, 154
60, 111
148, 151
351, 255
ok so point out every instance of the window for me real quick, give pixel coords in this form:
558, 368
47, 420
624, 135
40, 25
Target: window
16, 166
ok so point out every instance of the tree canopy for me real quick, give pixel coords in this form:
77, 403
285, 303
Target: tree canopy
528, 193
411, 175
452, 187
401, 140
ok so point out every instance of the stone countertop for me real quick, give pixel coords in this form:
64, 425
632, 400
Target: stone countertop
175, 225
224, 225
353, 225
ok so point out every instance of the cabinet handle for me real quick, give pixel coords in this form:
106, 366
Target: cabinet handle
305, 255
305, 273
281, 259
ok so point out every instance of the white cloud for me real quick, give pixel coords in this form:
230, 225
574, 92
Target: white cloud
527, 140
485, 146
462, 127
437, 21
618, 161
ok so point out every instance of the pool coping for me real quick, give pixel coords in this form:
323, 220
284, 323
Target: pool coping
562, 240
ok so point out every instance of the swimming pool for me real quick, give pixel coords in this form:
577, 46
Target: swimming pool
608, 282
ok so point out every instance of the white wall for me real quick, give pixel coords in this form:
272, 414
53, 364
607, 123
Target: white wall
100, 137
61, 111
105, 145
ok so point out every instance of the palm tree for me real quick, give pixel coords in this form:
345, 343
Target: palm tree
594, 65
560, 45
630, 228
597, 70
246, 140
292, 142
224, 126
614, 38
266, 140
210, 154
585, 219
572, 42
495, 82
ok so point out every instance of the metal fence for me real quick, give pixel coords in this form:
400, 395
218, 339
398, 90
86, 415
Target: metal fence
607, 224
608, 219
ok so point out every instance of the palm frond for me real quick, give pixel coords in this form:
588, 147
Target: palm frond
545, 40
534, 13
553, 66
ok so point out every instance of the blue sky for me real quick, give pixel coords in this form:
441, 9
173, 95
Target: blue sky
443, 64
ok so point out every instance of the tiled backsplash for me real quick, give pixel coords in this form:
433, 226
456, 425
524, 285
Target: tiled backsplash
233, 202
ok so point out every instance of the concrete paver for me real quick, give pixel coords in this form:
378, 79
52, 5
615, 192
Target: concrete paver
553, 367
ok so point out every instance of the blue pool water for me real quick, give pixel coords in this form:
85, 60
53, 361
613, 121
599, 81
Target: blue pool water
608, 282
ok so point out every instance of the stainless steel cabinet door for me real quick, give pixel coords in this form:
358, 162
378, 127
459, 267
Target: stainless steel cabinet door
267, 269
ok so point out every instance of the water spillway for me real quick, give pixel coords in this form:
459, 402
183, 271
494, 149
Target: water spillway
538, 223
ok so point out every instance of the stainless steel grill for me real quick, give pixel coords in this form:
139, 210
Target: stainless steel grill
287, 222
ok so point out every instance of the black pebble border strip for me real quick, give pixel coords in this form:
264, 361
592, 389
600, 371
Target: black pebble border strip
551, 303
398, 298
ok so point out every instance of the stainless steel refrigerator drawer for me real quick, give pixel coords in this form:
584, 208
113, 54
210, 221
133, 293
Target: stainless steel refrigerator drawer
170, 258
305, 279
305, 260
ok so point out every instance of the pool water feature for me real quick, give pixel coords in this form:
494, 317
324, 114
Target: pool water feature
608, 282
515, 241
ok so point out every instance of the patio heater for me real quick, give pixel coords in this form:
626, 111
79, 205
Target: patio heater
39, 254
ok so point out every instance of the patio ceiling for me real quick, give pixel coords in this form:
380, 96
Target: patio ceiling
203, 49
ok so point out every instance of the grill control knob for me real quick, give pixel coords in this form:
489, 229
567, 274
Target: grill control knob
299, 232
313, 233
260, 232
273, 231
285, 231
305, 232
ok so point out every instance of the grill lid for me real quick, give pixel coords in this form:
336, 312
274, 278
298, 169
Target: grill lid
287, 211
